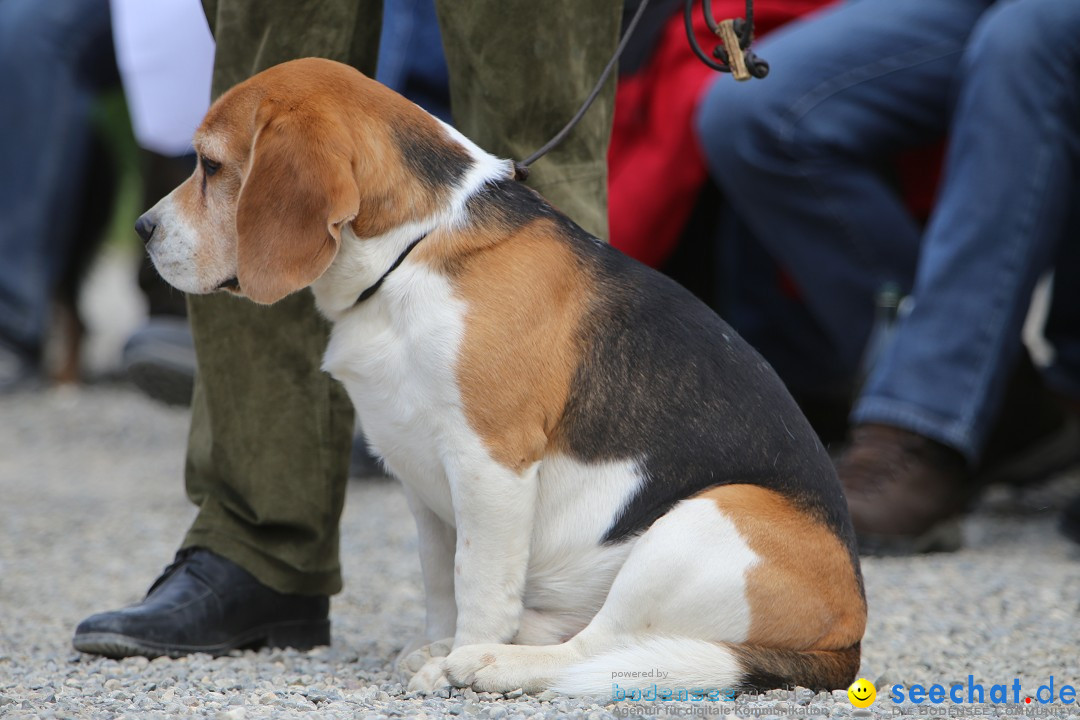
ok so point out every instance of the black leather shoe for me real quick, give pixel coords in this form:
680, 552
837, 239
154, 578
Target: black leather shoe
205, 603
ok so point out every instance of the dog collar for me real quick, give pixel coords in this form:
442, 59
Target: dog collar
400, 258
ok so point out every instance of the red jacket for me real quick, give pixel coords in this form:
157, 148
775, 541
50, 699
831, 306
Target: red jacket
656, 168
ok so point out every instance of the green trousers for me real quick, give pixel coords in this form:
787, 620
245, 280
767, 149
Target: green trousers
268, 451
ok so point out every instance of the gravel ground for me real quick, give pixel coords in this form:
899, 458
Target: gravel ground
92, 507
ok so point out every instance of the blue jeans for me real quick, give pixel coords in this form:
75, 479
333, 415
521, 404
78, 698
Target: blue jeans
411, 58
799, 155
51, 59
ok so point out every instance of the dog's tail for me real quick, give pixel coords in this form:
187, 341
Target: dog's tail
680, 663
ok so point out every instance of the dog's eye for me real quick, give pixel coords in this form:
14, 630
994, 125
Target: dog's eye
209, 166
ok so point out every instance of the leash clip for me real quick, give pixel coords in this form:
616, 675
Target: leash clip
734, 55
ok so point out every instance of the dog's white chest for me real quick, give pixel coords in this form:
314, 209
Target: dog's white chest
396, 355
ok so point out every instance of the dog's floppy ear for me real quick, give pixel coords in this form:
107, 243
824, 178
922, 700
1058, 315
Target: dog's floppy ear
298, 192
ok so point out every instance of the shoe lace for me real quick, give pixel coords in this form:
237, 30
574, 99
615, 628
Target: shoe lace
181, 559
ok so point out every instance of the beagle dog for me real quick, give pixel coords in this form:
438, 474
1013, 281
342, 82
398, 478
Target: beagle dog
606, 479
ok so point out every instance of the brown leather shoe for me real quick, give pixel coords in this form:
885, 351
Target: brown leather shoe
906, 492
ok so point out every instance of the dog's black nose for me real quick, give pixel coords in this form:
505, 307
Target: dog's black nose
145, 227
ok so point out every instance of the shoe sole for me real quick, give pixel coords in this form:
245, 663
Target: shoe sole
302, 635
1040, 463
945, 536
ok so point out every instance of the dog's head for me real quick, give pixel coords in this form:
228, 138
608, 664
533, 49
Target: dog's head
286, 161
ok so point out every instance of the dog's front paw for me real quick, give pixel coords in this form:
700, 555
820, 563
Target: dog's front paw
464, 664
417, 654
491, 668
422, 668
430, 677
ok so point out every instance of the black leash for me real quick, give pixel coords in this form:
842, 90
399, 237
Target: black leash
561, 135
734, 56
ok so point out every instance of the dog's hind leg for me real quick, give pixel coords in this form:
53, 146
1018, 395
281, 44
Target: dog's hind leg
732, 588
685, 578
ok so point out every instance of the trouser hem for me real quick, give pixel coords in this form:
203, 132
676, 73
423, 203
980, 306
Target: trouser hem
914, 419
270, 571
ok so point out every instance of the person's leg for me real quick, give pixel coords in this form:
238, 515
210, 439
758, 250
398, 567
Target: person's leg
1062, 329
48, 52
411, 58
1063, 333
1010, 180
159, 357
519, 70
761, 303
799, 155
1009, 186
268, 451
270, 432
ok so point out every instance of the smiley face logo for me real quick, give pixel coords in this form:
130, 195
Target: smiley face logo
862, 693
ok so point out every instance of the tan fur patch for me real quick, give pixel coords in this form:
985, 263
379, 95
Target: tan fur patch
526, 296
804, 593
